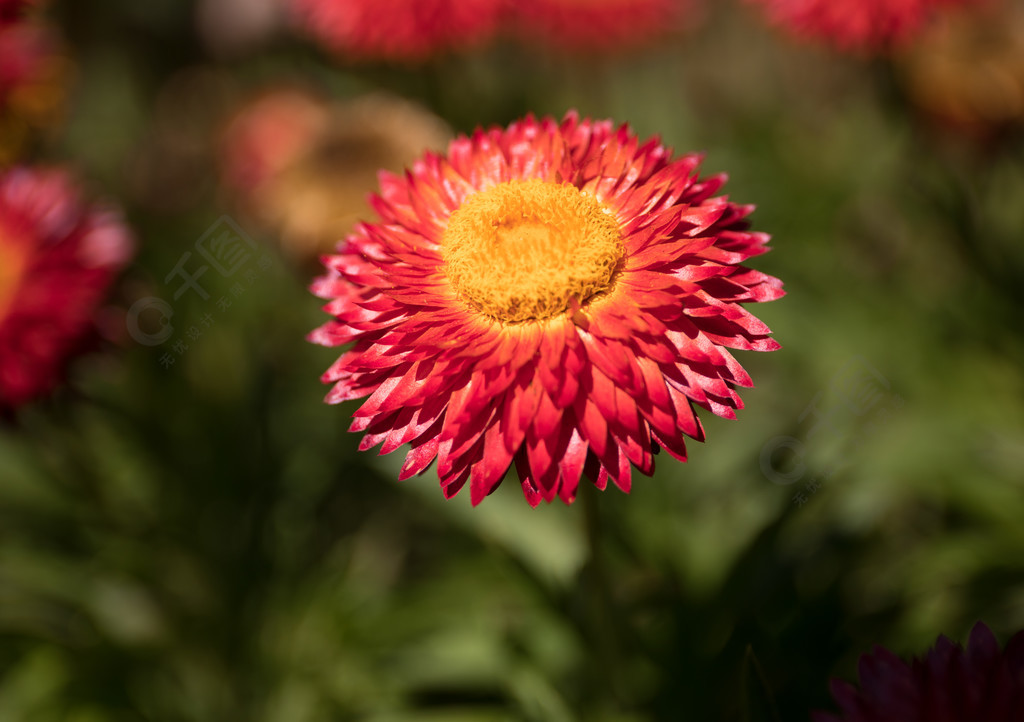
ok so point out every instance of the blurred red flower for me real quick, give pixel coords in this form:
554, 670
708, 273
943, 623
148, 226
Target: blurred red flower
303, 167
599, 24
57, 258
24, 49
857, 25
397, 30
966, 73
553, 296
269, 133
33, 71
951, 684
12, 11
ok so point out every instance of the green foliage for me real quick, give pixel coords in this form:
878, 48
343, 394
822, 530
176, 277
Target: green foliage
203, 542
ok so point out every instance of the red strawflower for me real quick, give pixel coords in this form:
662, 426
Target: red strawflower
397, 30
57, 258
554, 296
857, 25
598, 24
951, 684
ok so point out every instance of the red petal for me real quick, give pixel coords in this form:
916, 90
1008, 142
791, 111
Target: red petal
419, 457
466, 435
530, 491
672, 443
571, 466
593, 426
490, 469
529, 400
332, 333
452, 485
543, 467
396, 384
685, 418
345, 390
601, 391
548, 419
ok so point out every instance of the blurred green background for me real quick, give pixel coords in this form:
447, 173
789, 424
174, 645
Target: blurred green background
202, 541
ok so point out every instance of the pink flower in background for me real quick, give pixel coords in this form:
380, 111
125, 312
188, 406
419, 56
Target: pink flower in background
861, 25
554, 296
951, 684
397, 30
268, 133
303, 167
57, 259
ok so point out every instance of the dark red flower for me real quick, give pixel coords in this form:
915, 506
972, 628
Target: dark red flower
553, 296
57, 259
12, 11
951, 684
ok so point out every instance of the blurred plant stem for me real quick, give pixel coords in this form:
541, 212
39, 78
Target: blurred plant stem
756, 698
600, 610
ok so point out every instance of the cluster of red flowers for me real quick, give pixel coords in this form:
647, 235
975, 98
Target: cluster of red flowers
412, 30
398, 29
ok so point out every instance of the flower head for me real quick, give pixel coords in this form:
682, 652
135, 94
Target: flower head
33, 72
267, 133
12, 11
858, 25
555, 297
57, 258
304, 167
967, 71
397, 30
951, 684
598, 24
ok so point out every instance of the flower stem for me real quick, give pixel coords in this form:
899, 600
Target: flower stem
600, 609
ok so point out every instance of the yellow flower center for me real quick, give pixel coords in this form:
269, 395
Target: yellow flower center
12, 265
523, 250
